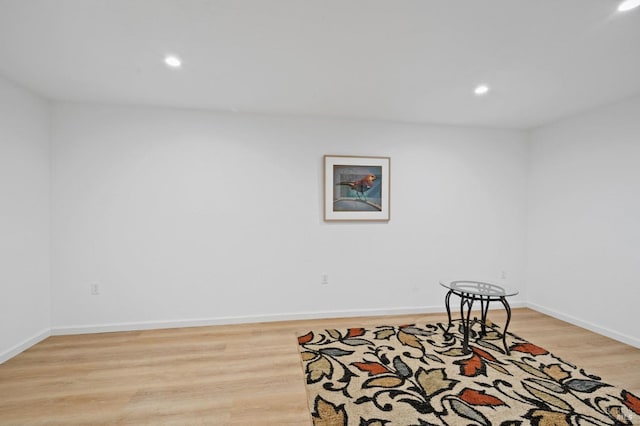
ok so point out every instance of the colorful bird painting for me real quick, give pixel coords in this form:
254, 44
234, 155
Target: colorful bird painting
361, 186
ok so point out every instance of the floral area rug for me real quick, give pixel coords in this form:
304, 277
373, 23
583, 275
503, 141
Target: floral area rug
418, 375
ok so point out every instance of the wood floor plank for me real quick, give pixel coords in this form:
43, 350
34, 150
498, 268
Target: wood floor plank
231, 375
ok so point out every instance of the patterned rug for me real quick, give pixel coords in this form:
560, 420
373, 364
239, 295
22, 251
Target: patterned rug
418, 375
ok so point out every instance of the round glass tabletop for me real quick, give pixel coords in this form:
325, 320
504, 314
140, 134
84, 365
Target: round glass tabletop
479, 288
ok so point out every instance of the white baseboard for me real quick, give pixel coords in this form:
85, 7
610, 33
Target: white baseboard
150, 325
587, 325
21, 347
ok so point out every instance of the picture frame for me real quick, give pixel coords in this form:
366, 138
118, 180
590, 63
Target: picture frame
356, 188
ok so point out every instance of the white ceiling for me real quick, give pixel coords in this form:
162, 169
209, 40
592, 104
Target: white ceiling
402, 60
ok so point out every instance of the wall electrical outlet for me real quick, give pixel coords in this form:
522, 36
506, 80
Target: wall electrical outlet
504, 275
95, 289
324, 279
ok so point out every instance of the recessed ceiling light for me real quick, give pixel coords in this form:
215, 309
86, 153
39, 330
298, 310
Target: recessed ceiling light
628, 5
481, 89
172, 61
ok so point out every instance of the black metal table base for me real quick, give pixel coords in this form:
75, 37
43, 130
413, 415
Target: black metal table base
466, 301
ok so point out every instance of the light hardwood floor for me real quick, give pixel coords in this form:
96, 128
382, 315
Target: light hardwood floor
248, 374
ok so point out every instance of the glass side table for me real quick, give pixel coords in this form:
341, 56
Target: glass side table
469, 292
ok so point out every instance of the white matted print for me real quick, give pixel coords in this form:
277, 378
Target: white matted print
356, 188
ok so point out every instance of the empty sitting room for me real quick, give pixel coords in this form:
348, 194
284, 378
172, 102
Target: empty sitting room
254, 212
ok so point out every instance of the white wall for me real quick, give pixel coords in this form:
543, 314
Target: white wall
24, 220
192, 217
584, 220
199, 217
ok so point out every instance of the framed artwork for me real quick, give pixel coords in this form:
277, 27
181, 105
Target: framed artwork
356, 188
